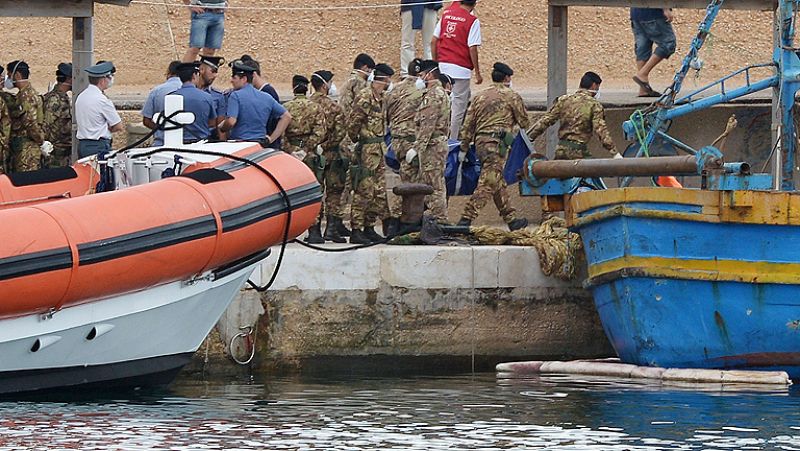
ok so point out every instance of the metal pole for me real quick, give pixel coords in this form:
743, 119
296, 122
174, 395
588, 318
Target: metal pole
610, 167
777, 157
82, 57
557, 36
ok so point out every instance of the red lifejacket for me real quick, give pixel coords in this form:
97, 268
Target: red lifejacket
453, 36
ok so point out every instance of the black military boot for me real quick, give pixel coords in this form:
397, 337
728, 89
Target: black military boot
332, 231
517, 224
314, 235
464, 222
391, 226
341, 228
372, 235
358, 237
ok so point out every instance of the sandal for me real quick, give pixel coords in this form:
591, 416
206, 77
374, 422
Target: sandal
646, 86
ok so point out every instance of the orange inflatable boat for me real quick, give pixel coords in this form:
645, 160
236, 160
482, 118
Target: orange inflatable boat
70, 248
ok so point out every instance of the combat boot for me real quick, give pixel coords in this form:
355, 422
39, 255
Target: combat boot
517, 224
372, 235
314, 235
464, 222
358, 237
332, 232
391, 226
341, 228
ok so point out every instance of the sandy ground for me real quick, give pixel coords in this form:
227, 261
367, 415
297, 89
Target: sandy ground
140, 40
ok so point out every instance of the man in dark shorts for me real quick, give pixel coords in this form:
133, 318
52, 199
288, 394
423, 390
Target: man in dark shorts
651, 26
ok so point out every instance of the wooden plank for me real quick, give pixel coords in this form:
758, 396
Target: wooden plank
758, 5
557, 31
46, 8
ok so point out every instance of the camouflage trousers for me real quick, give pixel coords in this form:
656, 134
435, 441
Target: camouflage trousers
333, 182
491, 185
369, 187
409, 173
27, 155
569, 153
432, 160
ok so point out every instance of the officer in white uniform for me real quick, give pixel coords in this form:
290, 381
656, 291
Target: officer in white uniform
96, 116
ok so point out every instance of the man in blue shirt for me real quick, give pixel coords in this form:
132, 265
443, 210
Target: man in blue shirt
262, 85
195, 101
155, 101
249, 109
209, 70
651, 26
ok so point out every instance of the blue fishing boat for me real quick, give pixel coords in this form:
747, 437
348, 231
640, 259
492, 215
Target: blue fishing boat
697, 278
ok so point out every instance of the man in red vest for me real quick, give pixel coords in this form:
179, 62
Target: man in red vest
455, 46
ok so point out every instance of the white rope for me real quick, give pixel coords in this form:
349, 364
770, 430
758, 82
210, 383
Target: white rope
171, 34
288, 8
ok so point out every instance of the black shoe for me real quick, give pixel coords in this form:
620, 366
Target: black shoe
464, 222
332, 232
314, 236
341, 228
358, 237
391, 227
372, 235
517, 224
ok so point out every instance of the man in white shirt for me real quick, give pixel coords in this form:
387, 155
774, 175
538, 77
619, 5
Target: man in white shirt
95, 114
455, 46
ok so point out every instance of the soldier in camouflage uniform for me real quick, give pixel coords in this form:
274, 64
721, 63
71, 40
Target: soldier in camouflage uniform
303, 135
335, 162
357, 82
490, 123
580, 115
432, 121
366, 126
58, 118
27, 137
6, 100
401, 106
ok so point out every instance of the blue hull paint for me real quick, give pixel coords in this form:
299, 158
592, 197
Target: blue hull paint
681, 323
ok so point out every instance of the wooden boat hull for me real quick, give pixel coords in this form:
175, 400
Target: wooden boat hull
702, 279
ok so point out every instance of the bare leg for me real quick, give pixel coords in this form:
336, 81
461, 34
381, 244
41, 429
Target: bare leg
209, 52
644, 71
191, 54
639, 65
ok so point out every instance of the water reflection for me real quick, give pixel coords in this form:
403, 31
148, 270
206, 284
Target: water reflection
461, 412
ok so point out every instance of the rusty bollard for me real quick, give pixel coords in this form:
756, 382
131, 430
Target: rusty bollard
413, 195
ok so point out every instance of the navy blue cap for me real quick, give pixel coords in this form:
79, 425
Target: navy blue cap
240, 67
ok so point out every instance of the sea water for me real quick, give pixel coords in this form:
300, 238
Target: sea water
473, 411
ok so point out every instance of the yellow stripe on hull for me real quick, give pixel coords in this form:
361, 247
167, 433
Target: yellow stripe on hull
708, 270
738, 207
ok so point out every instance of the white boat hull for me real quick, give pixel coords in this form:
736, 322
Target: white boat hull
139, 338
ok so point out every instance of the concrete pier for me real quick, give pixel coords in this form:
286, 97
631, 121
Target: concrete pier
415, 303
